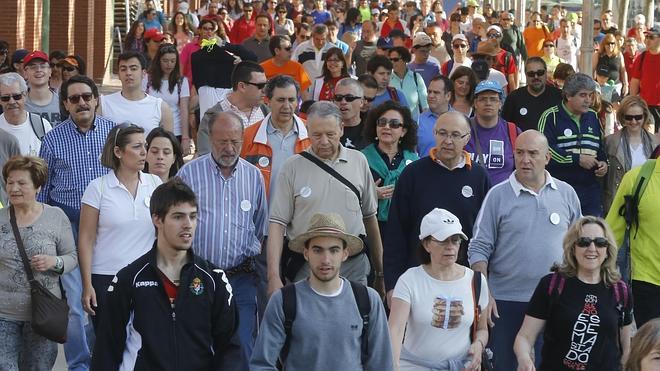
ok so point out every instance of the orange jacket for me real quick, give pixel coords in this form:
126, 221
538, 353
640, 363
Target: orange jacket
258, 152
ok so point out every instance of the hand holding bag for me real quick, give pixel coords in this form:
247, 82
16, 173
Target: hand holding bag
50, 314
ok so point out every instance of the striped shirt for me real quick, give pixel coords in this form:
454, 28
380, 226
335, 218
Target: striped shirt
233, 214
74, 159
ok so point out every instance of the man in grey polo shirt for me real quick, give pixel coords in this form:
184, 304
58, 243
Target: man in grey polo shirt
529, 203
304, 189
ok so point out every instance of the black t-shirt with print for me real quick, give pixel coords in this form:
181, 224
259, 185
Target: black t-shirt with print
352, 137
582, 325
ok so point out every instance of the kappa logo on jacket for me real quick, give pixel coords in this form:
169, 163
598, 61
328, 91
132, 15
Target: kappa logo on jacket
146, 284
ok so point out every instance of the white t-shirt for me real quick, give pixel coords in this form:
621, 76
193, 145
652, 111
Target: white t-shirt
172, 99
125, 231
209, 97
425, 337
145, 112
28, 141
637, 155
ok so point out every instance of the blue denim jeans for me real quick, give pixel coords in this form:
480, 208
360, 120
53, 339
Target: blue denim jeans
80, 335
502, 336
244, 288
22, 349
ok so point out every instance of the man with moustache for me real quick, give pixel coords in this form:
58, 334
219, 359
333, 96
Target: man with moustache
199, 337
320, 337
576, 144
463, 189
530, 202
525, 105
72, 151
233, 216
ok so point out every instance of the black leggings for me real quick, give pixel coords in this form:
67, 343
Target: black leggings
100, 282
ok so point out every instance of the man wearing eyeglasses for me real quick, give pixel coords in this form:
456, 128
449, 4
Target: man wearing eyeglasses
349, 97
459, 44
529, 202
535, 35
72, 151
29, 129
525, 105
504, 60
417, 192
40, 98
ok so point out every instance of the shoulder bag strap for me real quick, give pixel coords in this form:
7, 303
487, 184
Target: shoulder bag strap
19, 244
332, 172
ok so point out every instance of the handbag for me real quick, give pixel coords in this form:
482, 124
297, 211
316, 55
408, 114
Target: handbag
50, 314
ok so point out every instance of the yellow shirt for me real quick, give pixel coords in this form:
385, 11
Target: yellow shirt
645, 242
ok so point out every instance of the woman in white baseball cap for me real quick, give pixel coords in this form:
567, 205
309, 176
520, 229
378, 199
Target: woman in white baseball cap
433, 304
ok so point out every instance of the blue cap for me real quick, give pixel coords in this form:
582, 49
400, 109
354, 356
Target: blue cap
488, 85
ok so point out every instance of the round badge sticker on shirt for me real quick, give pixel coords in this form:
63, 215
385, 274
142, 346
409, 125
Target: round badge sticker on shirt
554, 218
467, 191
568, 132
305, 191
408, 162
246, 205
523, 111
264, 161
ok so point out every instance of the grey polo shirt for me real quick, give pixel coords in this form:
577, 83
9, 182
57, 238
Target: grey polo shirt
283, 147
260, 48
303, 189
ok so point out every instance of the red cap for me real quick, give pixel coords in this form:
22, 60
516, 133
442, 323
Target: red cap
153, 34
37, 54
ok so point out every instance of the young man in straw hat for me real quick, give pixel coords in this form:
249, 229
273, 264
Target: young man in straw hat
326, 311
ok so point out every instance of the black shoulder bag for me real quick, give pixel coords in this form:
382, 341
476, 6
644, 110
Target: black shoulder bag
50, 314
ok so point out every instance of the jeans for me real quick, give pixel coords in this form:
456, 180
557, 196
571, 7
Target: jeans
646, 303
244, 288
22, 349
80, 337
504, 334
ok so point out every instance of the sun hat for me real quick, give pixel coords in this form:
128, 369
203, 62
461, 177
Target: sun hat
327, 225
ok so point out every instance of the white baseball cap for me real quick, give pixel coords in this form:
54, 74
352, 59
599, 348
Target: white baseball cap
441, 224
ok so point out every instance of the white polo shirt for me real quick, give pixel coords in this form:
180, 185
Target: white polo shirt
125, 231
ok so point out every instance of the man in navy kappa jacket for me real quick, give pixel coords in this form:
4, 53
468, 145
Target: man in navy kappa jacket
169, 309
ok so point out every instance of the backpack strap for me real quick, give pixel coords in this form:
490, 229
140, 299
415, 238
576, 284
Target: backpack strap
513, 134
39, 130
364, 306
393, 94
476, 294
556, 282
264, 109
289, 308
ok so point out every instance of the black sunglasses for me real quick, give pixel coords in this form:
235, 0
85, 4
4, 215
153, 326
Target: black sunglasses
631, 117
259, 86
6, 98
347, 98
394, 60
459, 46
600, 242
288, 48
538, 73
69, 69
369, 99
76, 98
392, 123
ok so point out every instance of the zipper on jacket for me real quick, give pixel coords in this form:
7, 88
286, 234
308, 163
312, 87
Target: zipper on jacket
176, 349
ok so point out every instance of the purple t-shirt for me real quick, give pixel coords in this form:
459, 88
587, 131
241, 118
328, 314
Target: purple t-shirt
496, 148
428, 70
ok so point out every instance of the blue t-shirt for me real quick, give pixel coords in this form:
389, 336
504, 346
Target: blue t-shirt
425, 137
385, 96
428, 70
321, 16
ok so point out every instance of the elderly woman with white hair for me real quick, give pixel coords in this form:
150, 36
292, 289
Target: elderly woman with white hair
436, 306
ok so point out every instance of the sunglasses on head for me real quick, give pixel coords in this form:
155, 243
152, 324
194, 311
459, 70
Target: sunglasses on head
259, 85
392, 123
347, 98
538, 73
600, 242
119, 128
635, 117
6, 98
75, 99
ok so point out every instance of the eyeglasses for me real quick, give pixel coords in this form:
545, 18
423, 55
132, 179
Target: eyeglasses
392, 123
633, 117
494, 35
303, 37
282, 12
119, 128
69, 68
459, 46
259, 85
538, 73
369, 99
600, 242
453, 136
333, 60
347, 98
6, 98
76, 98
488, 99
394, 60
37, 67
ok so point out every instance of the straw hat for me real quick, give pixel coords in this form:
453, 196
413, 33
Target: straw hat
327, 225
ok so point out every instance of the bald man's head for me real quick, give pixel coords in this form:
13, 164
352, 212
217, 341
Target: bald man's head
532, 155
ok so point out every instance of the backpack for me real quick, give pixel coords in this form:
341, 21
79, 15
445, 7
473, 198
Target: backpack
620, 290
289, 306
39, 130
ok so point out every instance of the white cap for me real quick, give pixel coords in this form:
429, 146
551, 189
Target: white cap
184, 7
640, 19
494, 27
459, 36
441, 224
421, 39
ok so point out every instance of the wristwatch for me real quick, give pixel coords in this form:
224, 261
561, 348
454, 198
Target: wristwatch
59, 264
